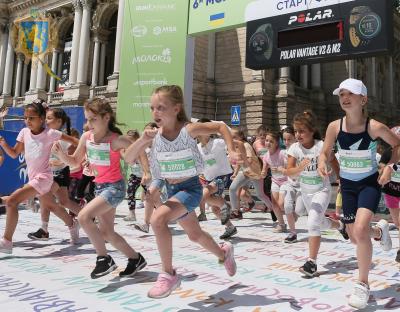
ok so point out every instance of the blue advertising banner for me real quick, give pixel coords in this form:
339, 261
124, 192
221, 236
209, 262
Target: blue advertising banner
12, 121
235, 115
13, 172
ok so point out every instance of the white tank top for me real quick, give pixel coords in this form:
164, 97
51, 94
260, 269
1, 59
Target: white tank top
175, 159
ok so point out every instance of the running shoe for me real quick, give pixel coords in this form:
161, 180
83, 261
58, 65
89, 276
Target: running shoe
39, 235
164, 286
134, 265
104, 265
229, 260
202, 217
143, 227
291, 238
385, 240
229, 231
131, 216
309, 268
360, 296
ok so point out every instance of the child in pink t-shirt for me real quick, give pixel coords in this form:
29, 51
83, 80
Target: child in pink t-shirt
275, 159
35, 141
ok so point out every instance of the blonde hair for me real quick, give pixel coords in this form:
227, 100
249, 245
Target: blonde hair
174, 94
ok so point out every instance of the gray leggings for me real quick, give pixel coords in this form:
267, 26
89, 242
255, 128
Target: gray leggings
240, 181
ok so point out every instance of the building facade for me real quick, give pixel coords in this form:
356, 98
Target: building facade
87, 58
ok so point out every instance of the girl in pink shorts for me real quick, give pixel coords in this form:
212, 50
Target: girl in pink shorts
35, 141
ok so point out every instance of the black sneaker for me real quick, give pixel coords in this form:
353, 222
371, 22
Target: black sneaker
291, 238
134, 265
343, 231
225, 213
398, 256
39, 235
229, 231
309, 268
104, 265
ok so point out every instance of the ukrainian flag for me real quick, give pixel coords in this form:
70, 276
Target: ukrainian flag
217, 19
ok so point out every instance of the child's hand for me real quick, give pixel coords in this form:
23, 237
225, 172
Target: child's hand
304, 163
146, 178
149, 134
57, 149
386, 176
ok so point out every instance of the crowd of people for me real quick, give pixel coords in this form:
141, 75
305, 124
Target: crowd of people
182, 165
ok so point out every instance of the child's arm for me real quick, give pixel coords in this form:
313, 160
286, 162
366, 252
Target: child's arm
70, 139
76, 158
13, 152
208, 128
264, 168
144, 162
293, 170
134, 150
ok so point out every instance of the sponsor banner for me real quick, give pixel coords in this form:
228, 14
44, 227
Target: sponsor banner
13, 172
338, 31
153, 54
216, 15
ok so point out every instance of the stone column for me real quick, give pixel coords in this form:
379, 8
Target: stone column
84, 42
118, 39
18, 79
304, 76
33, 77
75, 42
41, 75
102, 63
59, 66
284, 73
54, 60
316, 76
96, 56
24, 79
3, 54
8, 74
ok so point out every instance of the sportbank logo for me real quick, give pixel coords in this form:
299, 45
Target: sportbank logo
165, 57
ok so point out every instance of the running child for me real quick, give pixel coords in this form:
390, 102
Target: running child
102, 143
356, 137
56, 118
35, 141
315, 190
274, 160
391, 190
217, 172
176, 158
292, 203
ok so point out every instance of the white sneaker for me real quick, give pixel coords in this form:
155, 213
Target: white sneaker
360, 296
6, 246
131, 216
74, 232
385, 241
140, 205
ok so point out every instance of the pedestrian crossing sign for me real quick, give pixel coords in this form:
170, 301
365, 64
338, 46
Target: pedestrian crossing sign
235, 115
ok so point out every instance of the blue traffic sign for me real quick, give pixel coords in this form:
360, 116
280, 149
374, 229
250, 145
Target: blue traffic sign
235, 115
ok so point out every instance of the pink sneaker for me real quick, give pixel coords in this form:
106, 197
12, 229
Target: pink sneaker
6, 246
164, 286
74, 232
229, 261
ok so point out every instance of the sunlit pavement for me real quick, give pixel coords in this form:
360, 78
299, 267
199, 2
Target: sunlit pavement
54, 276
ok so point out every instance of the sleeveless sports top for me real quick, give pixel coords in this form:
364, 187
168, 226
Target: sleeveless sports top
104, 161
357, 154
175, 159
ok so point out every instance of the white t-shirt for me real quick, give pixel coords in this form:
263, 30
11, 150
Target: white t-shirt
310, 180
216, 162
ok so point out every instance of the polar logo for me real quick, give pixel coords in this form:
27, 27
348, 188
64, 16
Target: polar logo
306, 18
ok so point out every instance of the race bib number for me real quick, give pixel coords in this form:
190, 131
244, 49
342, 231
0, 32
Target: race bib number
396, 177
210, 161
175, 165
355, 161
98, 153
310, 181
262, 152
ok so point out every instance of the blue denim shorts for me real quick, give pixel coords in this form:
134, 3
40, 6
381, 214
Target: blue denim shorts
188, 192
113, 193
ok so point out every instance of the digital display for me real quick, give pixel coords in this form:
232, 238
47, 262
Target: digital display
311, 34
345, 30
